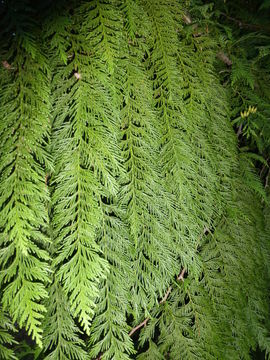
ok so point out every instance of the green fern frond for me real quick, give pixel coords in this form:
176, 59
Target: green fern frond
109, 330
24, 134
117, 143
84, 99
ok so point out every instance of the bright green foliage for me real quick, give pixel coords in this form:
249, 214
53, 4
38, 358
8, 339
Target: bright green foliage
189, 167
176, 150
133, 220
23, 136
78, 184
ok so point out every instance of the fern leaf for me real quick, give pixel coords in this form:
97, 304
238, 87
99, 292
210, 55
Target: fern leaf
24, 133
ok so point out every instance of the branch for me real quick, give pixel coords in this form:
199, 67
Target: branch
223, 57
143, 323
180, 277
242, 24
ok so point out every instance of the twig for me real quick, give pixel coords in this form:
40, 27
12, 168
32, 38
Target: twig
180, 277
187, 18
165, 297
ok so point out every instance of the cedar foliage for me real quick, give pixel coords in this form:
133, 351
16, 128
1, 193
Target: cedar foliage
134, 164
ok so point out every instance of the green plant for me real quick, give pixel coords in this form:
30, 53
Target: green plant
132, 225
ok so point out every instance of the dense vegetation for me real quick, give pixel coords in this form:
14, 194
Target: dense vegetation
134, 170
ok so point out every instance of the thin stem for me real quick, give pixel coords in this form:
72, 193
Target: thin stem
180, 277
239, 131
143, 323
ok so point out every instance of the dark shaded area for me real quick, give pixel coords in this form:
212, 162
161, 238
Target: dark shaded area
258, 355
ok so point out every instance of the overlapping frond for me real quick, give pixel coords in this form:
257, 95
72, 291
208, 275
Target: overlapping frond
153, 261
131, 223
109, 331
61, 335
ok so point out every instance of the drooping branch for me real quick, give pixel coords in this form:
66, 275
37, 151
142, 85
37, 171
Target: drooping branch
180, 277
